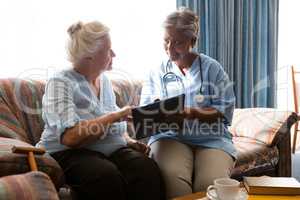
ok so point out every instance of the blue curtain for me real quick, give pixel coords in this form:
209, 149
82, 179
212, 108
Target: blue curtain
243, 36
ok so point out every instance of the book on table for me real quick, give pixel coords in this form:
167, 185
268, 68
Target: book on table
272, 185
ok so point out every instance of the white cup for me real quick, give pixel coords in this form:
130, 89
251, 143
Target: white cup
224, 189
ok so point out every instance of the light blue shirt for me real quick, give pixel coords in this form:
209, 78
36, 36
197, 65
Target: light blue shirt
216, 92
69, 99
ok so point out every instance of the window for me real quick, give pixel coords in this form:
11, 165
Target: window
33, 33
288, 50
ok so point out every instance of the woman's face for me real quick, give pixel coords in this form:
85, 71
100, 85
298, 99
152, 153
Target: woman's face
176, 43
102, 59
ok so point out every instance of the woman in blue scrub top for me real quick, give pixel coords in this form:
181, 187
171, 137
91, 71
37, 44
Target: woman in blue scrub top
190, 159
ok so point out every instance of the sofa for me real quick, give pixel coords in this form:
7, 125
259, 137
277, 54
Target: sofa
261, 135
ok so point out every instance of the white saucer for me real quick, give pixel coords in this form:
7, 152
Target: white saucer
243, 195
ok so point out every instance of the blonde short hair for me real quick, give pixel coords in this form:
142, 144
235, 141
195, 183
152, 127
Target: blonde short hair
85, 39
185, 20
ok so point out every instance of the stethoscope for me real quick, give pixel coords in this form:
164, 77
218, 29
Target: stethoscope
170, 76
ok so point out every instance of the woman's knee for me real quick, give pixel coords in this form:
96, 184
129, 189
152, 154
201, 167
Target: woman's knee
210, 164
143, 176
148, 169
175, 171
107, 183
201, 183
175, 161
206, 176
106, 174
177, 179
98, 177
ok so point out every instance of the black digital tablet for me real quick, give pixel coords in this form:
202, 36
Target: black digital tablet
158, 117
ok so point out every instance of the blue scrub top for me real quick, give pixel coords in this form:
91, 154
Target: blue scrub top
216, 91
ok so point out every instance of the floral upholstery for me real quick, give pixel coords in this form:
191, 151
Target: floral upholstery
253, 157
265, 123
32, 185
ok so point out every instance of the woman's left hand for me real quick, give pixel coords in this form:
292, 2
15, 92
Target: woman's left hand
138, 146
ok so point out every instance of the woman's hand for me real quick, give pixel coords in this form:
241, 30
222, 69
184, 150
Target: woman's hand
138, 146
124, 114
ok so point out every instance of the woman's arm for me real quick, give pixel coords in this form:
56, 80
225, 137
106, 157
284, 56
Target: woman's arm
222, 99
87, 131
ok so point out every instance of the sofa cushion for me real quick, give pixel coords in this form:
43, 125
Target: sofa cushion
127, 91
10, 126
253, 157
32, 185
21, 107
14, 163
266, 125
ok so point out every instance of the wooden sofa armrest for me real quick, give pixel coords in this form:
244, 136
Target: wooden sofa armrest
30, 151
284, 131
283, 143
284, 167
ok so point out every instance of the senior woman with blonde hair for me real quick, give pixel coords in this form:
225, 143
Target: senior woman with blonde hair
85, 130
191, 158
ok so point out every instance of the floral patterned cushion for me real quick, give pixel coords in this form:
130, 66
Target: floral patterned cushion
253, 157
32, 185
262, 124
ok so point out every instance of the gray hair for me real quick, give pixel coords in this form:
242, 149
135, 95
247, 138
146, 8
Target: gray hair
85, 39
183, 19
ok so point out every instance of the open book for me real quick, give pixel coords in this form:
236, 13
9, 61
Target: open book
272, 185
159, 116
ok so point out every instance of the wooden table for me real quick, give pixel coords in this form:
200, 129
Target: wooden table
194, 196
201, 196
